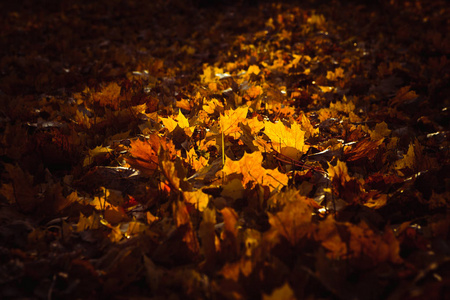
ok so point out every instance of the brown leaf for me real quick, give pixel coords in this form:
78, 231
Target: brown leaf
230, 244
363, 149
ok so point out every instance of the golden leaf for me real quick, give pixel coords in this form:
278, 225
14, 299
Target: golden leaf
408, 160
209, 74
381, 131
197, 198
91, 222
333, 76
307, 127
293, 222
283, 136
253, 69
282, 293
252, 171
109, 96
229, 121
212, 106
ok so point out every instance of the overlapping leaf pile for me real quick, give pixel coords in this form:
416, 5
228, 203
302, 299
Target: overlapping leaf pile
270, 151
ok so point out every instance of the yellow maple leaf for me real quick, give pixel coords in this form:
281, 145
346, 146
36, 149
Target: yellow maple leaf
344, 106
229, 121
253, 69
333, 76
381, 131
197, 198
209, 74
307, 126
408, 160
99, 150
170, 123
212, 106
285, 137
108, 96
282, 293
339, 172
254, 124
250, 166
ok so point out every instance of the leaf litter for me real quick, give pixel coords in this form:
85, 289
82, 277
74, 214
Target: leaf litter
254, 150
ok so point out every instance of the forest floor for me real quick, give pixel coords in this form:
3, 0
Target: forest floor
267, 150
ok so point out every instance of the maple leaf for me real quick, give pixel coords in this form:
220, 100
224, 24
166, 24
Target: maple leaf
143, 155
343, 106
408, 160
381, 131
282, 293
229, 121
333, 76
293, 222
181, 121
348, 188
91, 222
183, 220
207, 235
230, 244
93, 153
212, 106
252, 171
197, 198
307, 126
403, 95
328, 234
108, 96
176, 175
21, 189
210, 74
285, 138
380, 248
363, 149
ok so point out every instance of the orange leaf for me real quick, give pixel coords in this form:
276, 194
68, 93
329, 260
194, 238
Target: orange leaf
293, 222
230, 244
207, 235
144, 154
328, 234
250, 166
380, 248
109, 96
183, 219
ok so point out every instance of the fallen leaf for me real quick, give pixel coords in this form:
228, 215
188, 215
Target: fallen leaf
252, 171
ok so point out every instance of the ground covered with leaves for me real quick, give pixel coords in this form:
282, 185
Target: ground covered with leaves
254, 150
